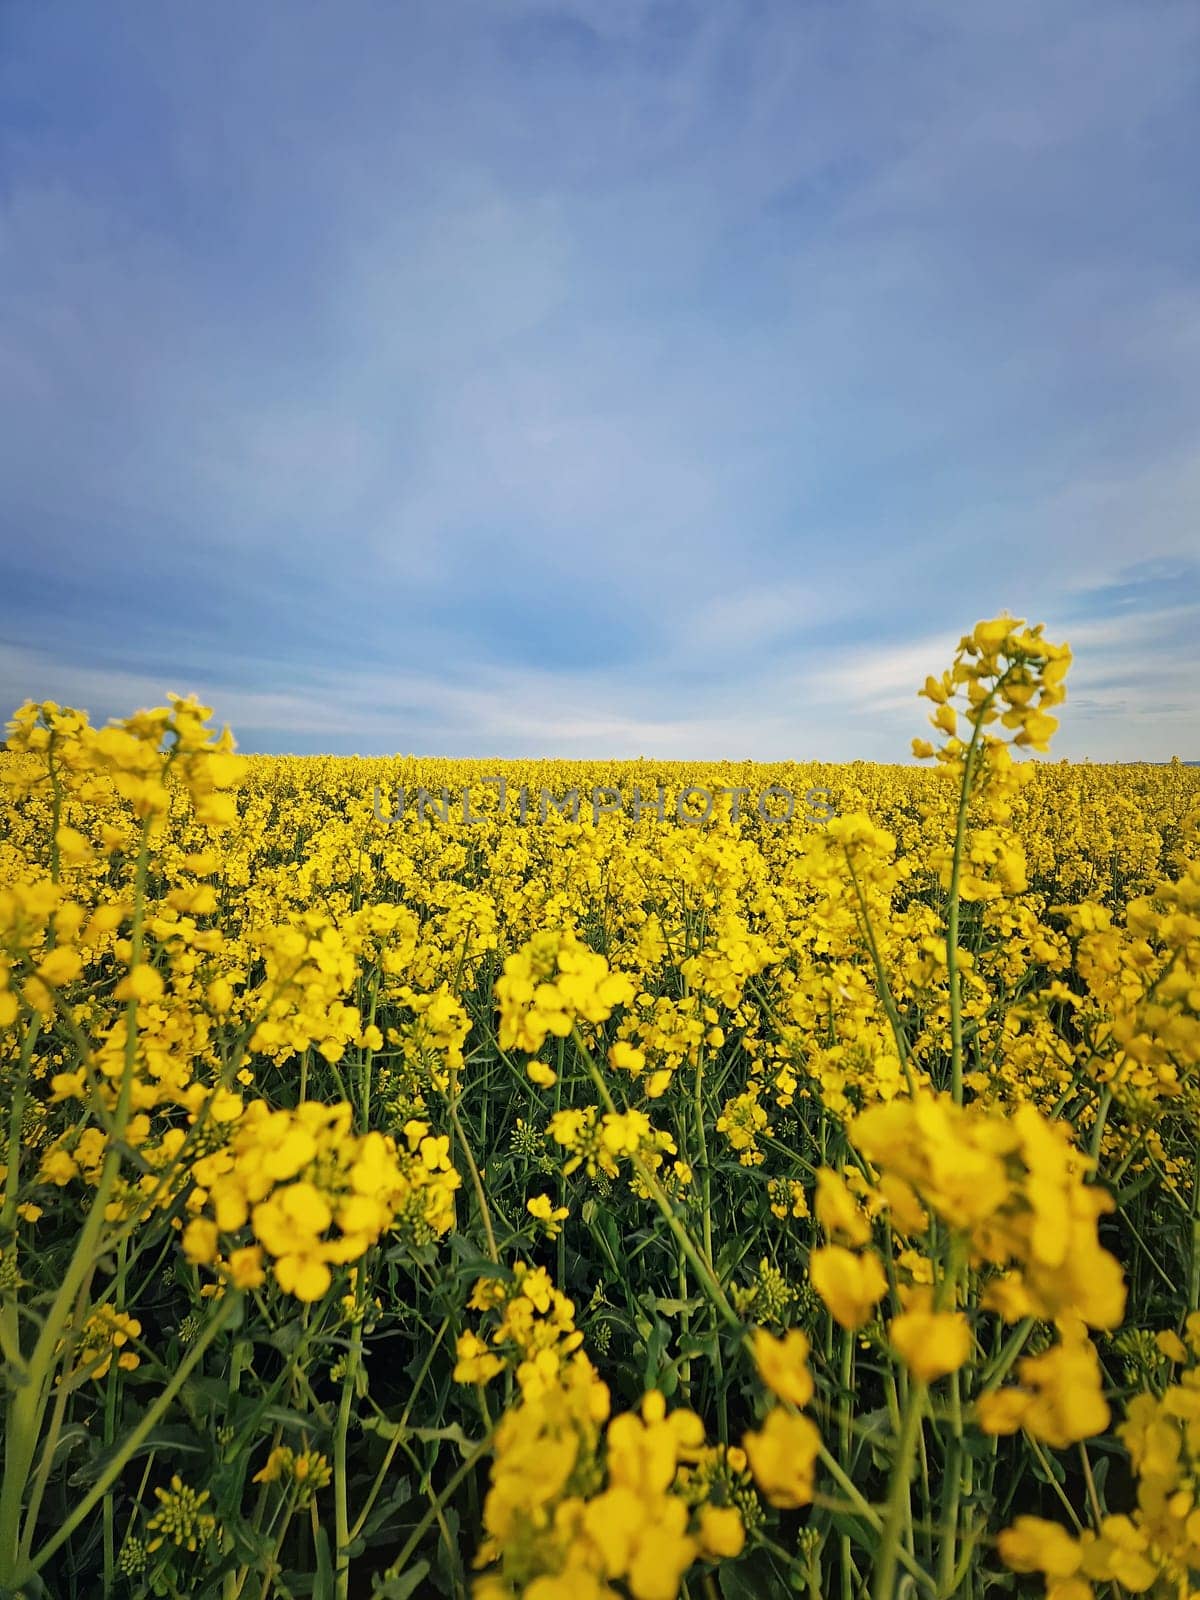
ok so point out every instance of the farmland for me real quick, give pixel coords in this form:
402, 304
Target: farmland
647, 1197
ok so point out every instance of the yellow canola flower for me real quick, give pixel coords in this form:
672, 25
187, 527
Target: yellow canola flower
722, 1533
141, 983
60, 966
736, 973
315, 1195
543, 1210
1060, 1399
850, 1285
783, 1364
1033, 1544
930, 1343
782, 1456
837, 1210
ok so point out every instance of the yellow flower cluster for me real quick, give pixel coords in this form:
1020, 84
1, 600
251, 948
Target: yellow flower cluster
293, 1176
1014, 1188
535, 1331
1008, 673
549, 986
105, 1338
575, 1507
1156, 1546
599, 1143
1060, 1397
308, 966
181, 1518
126, 761
305, 1471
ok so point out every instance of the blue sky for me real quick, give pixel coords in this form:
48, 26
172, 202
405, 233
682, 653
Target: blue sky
600, 377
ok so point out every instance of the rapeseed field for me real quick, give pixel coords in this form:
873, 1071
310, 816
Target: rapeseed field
566, 1180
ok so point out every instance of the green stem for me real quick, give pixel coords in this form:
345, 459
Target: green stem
1101, 1118
341, 1487
891, 1552
366, 1073
16, 1113
476, 1180
23, 1424
63, 1392
846, 1386
953, 976
871, 1517
882, 984
10, 1335
995, 1375
288, 1510
111, 1397
369, 1503
133, 1439
703, 1268
422, 1528
952, 1486
702, 1139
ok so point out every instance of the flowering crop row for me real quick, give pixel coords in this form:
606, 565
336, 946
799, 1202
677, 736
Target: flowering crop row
601, 1208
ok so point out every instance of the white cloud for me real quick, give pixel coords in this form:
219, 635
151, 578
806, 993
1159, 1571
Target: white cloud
767, 359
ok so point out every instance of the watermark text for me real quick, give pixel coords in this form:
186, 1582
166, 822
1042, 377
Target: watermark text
692, 807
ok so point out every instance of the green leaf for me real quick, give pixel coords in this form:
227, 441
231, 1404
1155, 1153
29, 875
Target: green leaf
403, 1585
448, 1571
1132, 1190
704, 1345
323, 1588
453, 1434
675, 1308
288, 1418
383, 1516
858, 1532
1056, 1468
656, 1347
749, 1579
384, 1428
176, 1439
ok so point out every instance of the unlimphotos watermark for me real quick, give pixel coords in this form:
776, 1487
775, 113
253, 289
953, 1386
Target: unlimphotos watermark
693, 807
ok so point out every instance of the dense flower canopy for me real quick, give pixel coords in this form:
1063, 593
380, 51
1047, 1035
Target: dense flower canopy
660, 1190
